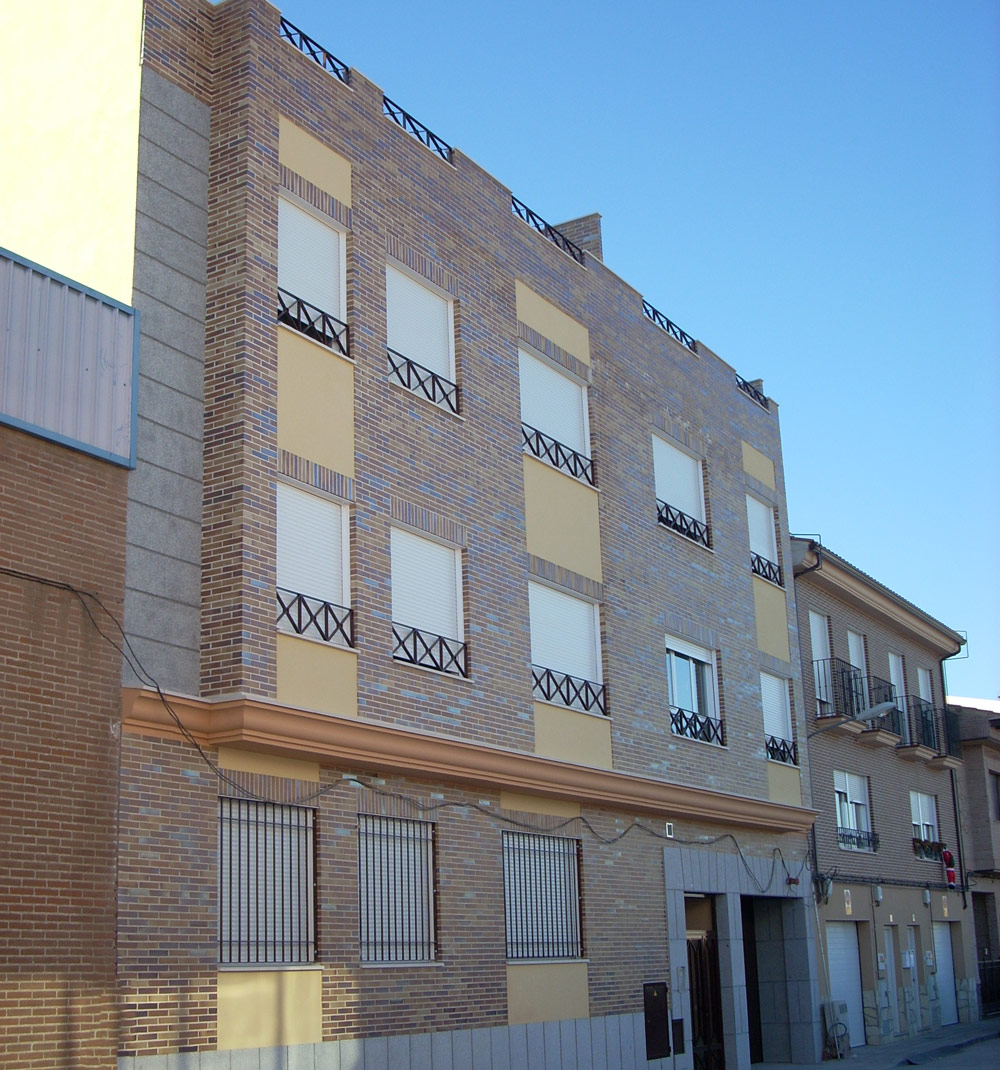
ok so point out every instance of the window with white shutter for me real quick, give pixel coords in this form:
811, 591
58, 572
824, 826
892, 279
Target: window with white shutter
427, 621
565, 649
777, 719
680, 493
923, 816
554, 424
763, 543
691, 692
854, 826
313, 568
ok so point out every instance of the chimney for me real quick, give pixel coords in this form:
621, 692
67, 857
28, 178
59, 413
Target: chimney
586, 233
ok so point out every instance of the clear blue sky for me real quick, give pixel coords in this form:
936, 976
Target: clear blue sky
812, 190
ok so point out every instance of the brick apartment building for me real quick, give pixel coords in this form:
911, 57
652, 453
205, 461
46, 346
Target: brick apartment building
884, 749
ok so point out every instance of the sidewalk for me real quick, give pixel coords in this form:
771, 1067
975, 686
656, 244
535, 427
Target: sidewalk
904, 1052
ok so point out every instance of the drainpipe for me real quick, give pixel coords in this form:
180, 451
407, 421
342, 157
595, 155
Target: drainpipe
962, 871
816, 546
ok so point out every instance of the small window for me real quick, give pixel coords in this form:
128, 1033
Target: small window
778, 734
680, 492
541, 882
854, 828
266, 879
923, 815
565, 649
396, 883
763, 542
420, 327
995, 785
691, 692
554, 426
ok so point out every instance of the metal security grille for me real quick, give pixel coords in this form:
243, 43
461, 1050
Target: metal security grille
396, 889
542, 896
266, 882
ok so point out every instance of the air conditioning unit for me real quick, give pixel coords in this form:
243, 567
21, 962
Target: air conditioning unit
836, 1030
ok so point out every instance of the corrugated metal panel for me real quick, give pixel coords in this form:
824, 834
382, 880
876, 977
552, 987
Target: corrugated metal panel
67, 361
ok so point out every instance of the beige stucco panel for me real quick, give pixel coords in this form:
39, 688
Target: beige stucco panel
269, 1008
317, 676
562, 519
772, 619
546, 992
552, 323
759, 465
306, 156
572, 736
315, 403
251, 761
538, 804
70, 75
784, 784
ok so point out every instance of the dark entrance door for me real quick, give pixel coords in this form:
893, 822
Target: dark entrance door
753, 981
706, 1002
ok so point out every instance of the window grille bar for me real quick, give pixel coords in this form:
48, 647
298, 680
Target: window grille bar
314, 51
767, 570
442, 392
782, 750
698, 726
313, 322
673, 518
412, 126
313, 617
542, 896
669, 326
546, 448
752, 392
858, 839
550, 685
522, 211
429, 650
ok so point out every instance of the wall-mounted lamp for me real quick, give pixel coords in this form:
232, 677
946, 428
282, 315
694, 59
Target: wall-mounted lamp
873, 713
927, 897
878, 895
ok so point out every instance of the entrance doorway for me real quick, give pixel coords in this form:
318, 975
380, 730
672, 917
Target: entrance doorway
706, 989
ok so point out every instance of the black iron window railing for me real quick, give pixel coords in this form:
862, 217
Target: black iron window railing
840, 688
541, 884
698, 726
313, 617
857, 839
952, 733
553, 686
314, 51
420, 380
680, 522
266, 882
313, 322
923, 723
767, 570
782, 750
522, 211
429, 650
669, 326
752, 392
546, 448
417, 129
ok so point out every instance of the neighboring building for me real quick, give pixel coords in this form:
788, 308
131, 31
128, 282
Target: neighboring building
883, 749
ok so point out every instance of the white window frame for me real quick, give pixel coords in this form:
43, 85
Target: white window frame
686, 662
441, 364
537, 403
689, 500
340, 237
857, 657
924, 816
776, 706
768, 549
541, 896
925, 686
852, 806
819, 642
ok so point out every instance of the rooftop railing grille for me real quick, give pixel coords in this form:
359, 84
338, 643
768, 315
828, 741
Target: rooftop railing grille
314, 51
413, 126
669, 326
533, 219
752, 392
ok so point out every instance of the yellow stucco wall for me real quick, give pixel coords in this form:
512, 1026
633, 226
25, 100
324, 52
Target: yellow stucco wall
552, 323
772, 619
317, 676
267, 1008
572, 736
249, 761
69, 79
538, 804
758, 465
306, 156
315, 403
562, 519
546, 991
784, 784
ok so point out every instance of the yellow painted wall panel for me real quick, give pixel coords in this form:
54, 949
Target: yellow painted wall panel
758, 465
572, 736
538, 804
70, 78
562, 519
268, 1008
315, 403
300, 152
317, 676
546, 992
251, 761
552, 323
772, 619
784, 783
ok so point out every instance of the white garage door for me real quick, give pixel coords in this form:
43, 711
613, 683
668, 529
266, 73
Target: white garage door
845, 974
945, 972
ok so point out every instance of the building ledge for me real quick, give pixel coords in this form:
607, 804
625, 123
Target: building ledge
879, 737
945, 761
916, 752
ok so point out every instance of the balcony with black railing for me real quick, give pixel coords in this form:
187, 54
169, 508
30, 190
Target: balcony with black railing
422, 381
423, 134
546, 448
313, 322
840, 688
952, 733
315, 618
669, 326
533, 219
550, 685
782, 750
767, 570
430, 651
891, 726
699, 726
670, 517
923, 723
314, 51
752, 392
857, 839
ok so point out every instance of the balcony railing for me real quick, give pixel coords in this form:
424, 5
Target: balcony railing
767, 570
699, 726
417, 129
952, 733
894, 721
680, 522
553, 686
522, 211
840, 688
782, 750
928, 850
429, 650
548, 449
923, 723
316, 52
313, 322
421, 380
752, 392
669, 326
313, 617
857, 839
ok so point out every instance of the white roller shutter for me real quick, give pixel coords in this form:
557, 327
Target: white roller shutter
426, 588
777, 716
678, 479
945, 972
553, 403
312, 548
564, 633
419, 323
760, 519
845, 974
310, 259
